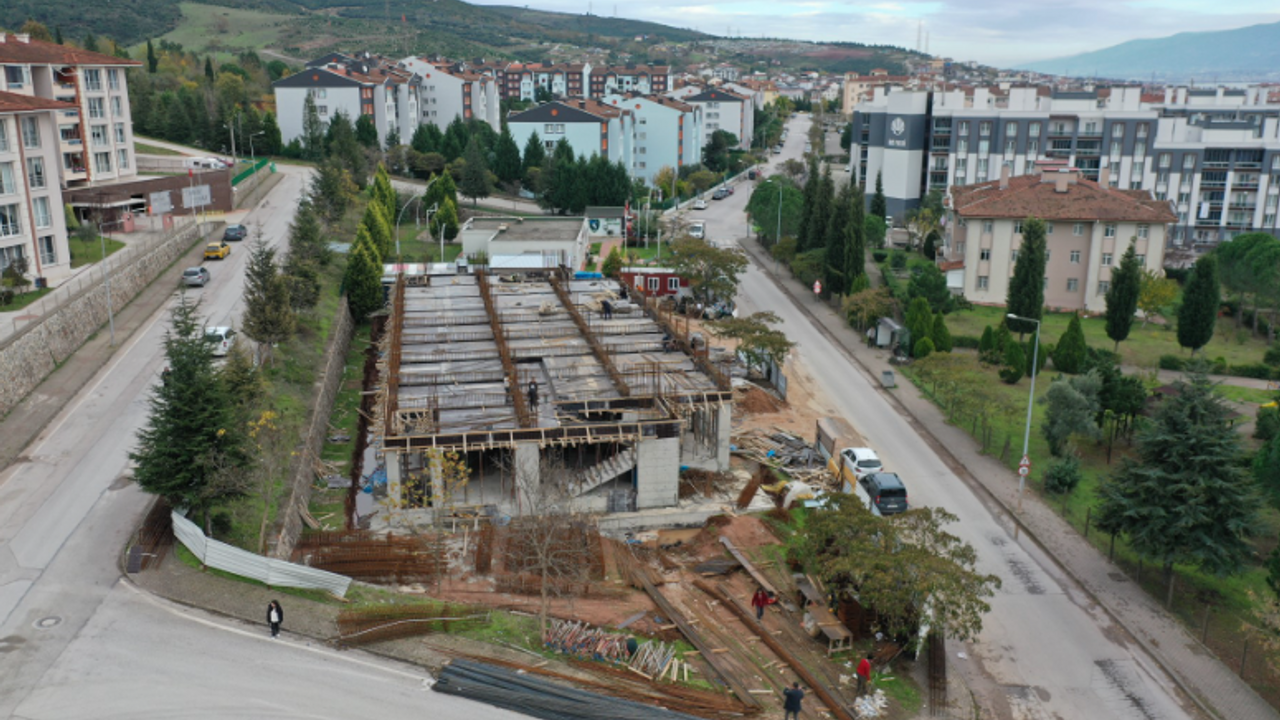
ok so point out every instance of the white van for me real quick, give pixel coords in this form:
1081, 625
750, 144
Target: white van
698, 229
203, 163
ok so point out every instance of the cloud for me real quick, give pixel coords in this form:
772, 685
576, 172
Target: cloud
999, 32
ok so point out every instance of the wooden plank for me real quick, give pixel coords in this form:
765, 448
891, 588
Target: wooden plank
755, 574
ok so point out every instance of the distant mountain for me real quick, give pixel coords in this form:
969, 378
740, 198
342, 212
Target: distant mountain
1244, 54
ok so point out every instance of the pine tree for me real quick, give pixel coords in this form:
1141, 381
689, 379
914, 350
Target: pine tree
855, 253
805, 239
445, 221
987, 346
426, 139
822, 210
1026, 290
191, 435
879, 207
1201, 302
57, 37
612, 264
374, 222
1070, 353
1122, 296
177, 125
268, 313
313, 130
1266, 470
534, 155
208, 65
363, 280
366, 131
940, 335
919, 320
271, 141
475, 174
1186, 497
441, 190
153, 62
90, 42
506, 159
385, 194
835, 281
1015, 363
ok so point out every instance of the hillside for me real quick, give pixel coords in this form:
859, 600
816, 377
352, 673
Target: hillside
1244, 54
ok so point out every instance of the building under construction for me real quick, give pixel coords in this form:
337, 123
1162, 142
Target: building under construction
510, 389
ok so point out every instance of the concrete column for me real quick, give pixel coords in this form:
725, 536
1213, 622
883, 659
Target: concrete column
657, 472
725, 427
527, 463
435, 473
395, 487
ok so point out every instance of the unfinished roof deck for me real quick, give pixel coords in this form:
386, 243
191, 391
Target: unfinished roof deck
600, 377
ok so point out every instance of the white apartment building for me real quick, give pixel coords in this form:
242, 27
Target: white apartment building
94, 135
721, 110
1088, 226
630, 78
1214, 152
666, 133
449, 92
354, 86
589, 126
32, 223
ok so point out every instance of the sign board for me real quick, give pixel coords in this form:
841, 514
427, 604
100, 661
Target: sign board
198, 196
160, 202
1024, 466
817, 287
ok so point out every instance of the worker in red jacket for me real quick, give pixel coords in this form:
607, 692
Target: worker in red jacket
760, 601
864, 674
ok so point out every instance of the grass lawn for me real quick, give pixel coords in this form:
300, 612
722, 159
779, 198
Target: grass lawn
653, 252
1246, 395
147, 149
24, 299
225, 31
1144, 346
84, 252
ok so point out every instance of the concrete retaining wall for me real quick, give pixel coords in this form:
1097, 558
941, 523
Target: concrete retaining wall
302, 472
28, 357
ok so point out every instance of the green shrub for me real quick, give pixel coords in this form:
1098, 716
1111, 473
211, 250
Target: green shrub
987, 346
1257, 371
1219, 366
1272, 357
965, 341
1015, 363
879, 255
1063, 475
1268, 423
1069, 354
923, 348
1172, 362
898, 260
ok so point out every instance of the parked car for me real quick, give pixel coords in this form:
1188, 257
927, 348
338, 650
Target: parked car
221, 339
217, 250
235, 232
751, 174
720, 194
728, 188
854, 463
195, 276
777, 149
698, 229
700, 204
885, 493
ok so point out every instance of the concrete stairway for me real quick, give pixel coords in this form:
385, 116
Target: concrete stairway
593, 477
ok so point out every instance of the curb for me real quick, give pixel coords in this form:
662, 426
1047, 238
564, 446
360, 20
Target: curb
972, 481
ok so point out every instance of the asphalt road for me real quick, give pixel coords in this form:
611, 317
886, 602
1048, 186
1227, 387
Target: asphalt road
78, 641
1045, 650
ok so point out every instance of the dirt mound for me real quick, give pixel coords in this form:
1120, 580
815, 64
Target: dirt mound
747, 532
757, 401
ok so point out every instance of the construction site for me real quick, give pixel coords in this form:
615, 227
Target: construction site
500, 393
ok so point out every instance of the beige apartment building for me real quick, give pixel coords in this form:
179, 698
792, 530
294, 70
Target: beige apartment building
1088, 225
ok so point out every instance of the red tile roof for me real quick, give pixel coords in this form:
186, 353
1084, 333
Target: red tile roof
13, 102
38, 52
1037, 196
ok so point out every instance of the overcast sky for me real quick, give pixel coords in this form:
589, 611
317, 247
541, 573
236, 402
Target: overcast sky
999, 32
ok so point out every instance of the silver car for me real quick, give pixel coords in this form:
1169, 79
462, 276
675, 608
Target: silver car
195, 276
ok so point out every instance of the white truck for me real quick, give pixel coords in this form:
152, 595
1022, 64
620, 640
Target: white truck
698, 229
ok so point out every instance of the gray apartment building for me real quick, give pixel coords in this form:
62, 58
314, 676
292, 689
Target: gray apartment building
1213, 153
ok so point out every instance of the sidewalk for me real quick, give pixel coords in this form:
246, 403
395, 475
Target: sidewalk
1219, 691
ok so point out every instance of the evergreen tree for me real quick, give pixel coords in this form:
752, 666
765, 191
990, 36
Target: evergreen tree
342, 145
90, 42
835, 281
268, 313
475, 174
177, 125
385, 194
271, 143
612, 264
191, 436
879, 207
57, 37
445, 221
534, 154
506, 159
363, 281
987, 346
1201, 302
329, 191
1026, 290
313, 130
153, 62
426, 139
1122, 296
805, 239
929, 283
440, 191
1186, 497
940, 335
366, 131
208, 65
375, 223
825, 201
455, 140
393, 138
1015, 363
1266, 470
1070, 353
923, 348
919, 320
855, 254
1073, 408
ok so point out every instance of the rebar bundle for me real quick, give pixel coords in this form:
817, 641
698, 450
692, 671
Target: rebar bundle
391, 622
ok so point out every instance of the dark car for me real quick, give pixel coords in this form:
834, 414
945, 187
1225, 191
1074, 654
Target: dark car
888, 494
720, 194
235, 232
751, 174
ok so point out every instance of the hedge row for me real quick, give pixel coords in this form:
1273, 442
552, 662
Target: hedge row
1219, 366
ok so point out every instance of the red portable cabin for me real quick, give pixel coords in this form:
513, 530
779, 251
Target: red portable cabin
655, 281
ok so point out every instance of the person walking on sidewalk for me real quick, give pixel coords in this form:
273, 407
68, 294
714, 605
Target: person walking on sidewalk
791, 705
760, 601
275, 616
864, 675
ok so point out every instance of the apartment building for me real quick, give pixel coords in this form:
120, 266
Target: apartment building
1214, 153
451, 91
32, 223
590, 127
1088, 226
641, 79
721, 110
522, 80
665, 133
95, 135
355, 85
858, 88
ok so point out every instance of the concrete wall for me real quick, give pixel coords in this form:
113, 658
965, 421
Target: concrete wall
657, 472
302, 473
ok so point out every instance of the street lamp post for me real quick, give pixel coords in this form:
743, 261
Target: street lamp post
253, 155
106, 278
1031, 399
399, 217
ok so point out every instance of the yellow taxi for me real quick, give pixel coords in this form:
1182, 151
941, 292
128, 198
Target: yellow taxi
216, 250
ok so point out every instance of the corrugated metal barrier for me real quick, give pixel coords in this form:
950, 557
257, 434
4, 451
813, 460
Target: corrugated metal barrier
273, 572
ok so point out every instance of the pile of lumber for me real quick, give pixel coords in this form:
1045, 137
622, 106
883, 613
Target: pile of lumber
656, 660
783, 450
578, 638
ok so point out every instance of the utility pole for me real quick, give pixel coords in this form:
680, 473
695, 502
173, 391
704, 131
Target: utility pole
106, 277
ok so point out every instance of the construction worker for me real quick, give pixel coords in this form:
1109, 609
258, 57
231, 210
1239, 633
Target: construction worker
506, 387
533, 395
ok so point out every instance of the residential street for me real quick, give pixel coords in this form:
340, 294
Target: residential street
1046, 650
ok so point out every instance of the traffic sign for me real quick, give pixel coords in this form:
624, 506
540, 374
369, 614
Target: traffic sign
1024, 466
817, 287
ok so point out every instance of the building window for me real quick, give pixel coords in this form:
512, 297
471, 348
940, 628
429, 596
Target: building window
1166, 159
120, 133
16, 76
99, 135
1033, 149
1013, 257
673, 284
962, 146
984, 254
1109, 230
102, 162
122, 159
1048, 228
984, 128
7, 184
1144, 231
1033, 129
964, 127
1142, 260
1075, 257
30, 133
1103, 287
113, 78
4, 137
1142, 130
653, 283
1011, 130
1106, 260
117, 109
48, 254
97, 110
1017, 228
10, 225
982, 282
35, 173
93, 80
1048, 255
987, 226
1045, 285
1188, 162
1073, 284
322, 110
40, 209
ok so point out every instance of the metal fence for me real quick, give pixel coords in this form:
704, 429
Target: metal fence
249, 171
272, 572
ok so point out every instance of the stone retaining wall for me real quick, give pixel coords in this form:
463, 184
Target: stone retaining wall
29, 356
